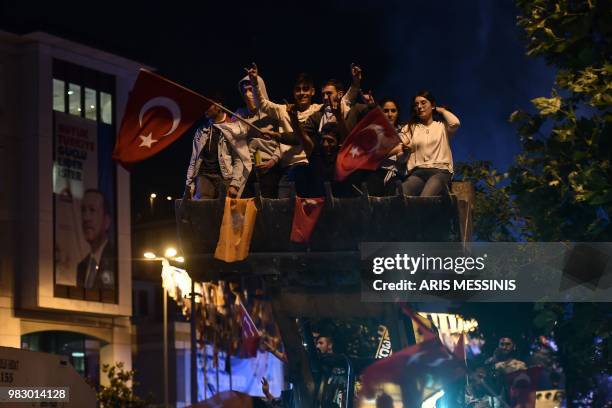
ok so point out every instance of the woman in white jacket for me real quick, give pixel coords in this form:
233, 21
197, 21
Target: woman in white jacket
430, 164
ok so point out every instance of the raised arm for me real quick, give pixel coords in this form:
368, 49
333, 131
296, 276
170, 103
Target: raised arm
351, 95
266, 106
452, 121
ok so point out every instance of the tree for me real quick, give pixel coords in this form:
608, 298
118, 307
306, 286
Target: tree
561, 181
119, 393
495, 214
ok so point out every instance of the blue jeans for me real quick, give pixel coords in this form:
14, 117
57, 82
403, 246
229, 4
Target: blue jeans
300, 176
426, 182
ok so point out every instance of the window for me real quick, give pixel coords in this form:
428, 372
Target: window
59, 95
106, 108
83, 92
74, 99
91, 107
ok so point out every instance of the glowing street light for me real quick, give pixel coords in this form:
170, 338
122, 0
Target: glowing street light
178, 282
152, 201
170, 253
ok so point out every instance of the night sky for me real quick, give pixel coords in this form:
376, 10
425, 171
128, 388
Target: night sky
470, 55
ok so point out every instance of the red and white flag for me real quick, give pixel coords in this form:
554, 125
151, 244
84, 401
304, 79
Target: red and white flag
158, 112
367, 145
250, 334
422, 369
305, 216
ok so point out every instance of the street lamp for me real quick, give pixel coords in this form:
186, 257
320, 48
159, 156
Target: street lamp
150, 256
152, 201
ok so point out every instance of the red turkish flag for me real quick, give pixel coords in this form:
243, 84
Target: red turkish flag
305, 216
416, 368
250, 334
367, 145
158, 112
422, 369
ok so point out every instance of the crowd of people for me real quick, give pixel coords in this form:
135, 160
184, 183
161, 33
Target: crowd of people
501, 378
494, 382
492, 379
271, 148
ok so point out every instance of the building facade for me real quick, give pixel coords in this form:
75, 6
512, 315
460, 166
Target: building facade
65, 253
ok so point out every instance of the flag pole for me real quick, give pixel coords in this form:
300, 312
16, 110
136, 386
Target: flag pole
223, 108
237, 116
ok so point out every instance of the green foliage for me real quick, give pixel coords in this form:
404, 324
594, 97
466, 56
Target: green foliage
570, 34
559, 188
119, 393
562, 180
496, 217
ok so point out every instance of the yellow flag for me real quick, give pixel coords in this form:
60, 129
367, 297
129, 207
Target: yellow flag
236, 229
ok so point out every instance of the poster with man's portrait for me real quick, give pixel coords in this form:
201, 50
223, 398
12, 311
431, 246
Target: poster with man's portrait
84, 211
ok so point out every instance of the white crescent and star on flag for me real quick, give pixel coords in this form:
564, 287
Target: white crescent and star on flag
164, 102
355, 152
379, 131
308, 202
380, 136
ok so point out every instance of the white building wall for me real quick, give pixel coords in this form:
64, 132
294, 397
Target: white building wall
27, 301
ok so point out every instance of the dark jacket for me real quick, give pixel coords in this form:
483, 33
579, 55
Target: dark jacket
322, 168
355, 114
106, 276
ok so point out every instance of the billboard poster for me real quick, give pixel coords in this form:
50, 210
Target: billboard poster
85, 260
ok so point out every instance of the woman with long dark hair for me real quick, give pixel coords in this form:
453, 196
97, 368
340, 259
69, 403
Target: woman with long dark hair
394, 166
430, 164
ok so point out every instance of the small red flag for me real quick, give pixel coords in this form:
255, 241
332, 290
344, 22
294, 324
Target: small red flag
250, 334
305, 216
158, 112
367, 145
